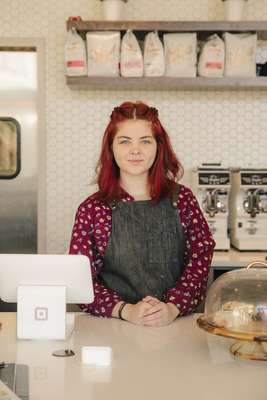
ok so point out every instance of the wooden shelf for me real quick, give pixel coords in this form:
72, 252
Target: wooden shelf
203, 28
164, 83
170, 26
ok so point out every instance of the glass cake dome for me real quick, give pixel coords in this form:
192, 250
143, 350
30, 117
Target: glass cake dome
236, 307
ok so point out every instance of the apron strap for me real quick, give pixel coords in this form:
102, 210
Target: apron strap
113, 204
175, 195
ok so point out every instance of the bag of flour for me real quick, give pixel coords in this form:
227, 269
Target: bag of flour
261, 52
261, 58
211, 59
240, 55
180, 54
154, 61
131, 56
103, 53
75, 54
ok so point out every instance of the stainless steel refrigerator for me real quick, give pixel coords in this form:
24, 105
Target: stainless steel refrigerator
18, 150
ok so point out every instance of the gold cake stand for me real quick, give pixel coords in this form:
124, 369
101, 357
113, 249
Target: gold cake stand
251, 343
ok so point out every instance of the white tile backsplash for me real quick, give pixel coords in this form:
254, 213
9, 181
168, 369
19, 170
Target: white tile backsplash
227, 126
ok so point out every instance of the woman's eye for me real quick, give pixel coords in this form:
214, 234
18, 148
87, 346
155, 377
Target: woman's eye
124, 141
146, 141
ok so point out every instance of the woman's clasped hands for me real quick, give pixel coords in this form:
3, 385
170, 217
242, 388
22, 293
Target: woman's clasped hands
150, 312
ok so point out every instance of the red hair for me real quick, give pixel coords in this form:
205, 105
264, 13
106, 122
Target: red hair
166, 169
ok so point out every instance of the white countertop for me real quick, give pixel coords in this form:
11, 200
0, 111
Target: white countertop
235, 258
176, 361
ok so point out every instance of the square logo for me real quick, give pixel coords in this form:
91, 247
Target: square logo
41, 313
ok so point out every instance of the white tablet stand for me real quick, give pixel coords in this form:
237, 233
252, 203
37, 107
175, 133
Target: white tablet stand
42, 284
41, 312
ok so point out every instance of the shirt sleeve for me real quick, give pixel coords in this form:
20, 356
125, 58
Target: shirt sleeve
190, 289
82, 242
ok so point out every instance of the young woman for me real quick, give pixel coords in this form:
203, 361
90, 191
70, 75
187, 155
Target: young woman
148, 243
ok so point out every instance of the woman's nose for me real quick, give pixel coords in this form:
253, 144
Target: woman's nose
135, 149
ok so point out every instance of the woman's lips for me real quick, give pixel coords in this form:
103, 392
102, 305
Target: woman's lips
135, 161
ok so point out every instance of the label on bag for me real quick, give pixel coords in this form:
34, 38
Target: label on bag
76, 63
214, 65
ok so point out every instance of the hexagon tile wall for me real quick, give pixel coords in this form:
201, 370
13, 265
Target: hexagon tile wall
227, 126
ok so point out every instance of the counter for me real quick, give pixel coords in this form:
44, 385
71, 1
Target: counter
176, 361
235, 258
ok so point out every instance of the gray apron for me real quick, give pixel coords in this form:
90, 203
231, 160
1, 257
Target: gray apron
145, 252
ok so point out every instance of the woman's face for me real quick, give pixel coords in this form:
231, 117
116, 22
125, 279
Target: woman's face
134, 147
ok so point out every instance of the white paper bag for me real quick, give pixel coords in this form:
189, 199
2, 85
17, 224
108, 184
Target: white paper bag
154, 60
131, 56
261, 52
75, 54
180, 54
240, 55
211, 59
103, 52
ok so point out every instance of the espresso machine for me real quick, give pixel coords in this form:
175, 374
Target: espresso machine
212, 185
248, 209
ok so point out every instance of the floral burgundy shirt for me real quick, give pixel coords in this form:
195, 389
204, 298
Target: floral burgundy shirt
91, 232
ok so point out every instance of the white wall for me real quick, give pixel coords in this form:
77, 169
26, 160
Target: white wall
229, 126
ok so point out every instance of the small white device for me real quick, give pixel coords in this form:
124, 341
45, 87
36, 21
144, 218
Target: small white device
97, 355
42, 285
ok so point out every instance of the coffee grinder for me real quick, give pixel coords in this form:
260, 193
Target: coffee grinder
212, 185
248, 209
